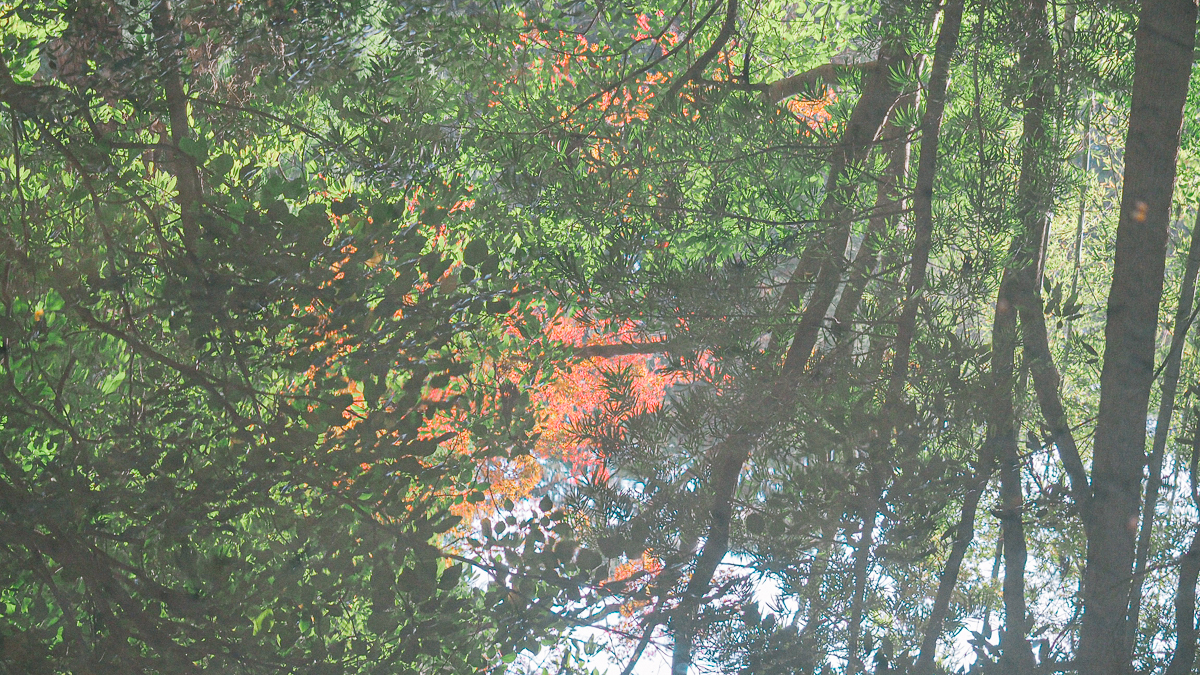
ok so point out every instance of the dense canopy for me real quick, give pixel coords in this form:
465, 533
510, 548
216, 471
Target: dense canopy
693, 336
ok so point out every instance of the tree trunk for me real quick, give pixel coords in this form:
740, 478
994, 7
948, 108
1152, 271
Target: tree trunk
168, 40
906, 328
862, 560
1018, 292
1185, 612
1162, 427
1165, 42
931, 125
1077, 244
1185, 597
813, 586
889, 202
1002, 437
862, 130
964, 534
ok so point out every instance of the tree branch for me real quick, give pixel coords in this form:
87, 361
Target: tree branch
800, 83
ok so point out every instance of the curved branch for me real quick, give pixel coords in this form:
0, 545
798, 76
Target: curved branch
697, 68
824, 74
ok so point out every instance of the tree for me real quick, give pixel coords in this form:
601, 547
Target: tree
222, 372
512, 337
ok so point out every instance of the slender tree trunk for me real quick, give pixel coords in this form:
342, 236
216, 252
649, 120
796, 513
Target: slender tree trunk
931, 122
862, 559
862, 130
816, 575
1002, 437
1184, 657
1162, 427
1077, 244
1165, 42
1018, 291
906, 326
187, 178
1016, 654
964, 534
931, 125
889, 202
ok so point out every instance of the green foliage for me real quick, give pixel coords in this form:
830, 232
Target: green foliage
268, 268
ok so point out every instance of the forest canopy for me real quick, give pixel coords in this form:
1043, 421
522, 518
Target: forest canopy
694, 336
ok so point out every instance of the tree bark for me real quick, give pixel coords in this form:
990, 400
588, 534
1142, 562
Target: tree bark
816, 575
931, 125
824, 74
1018, 289
1162, 427
1165, 41
887, 204
964, 534
931, 122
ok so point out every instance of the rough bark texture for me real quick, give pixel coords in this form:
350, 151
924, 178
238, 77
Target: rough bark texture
1162, 427
1163, 58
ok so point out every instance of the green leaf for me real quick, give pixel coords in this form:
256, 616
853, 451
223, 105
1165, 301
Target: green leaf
197, 150
54, 302
475, 252
111, 383
264, 618
221, 165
